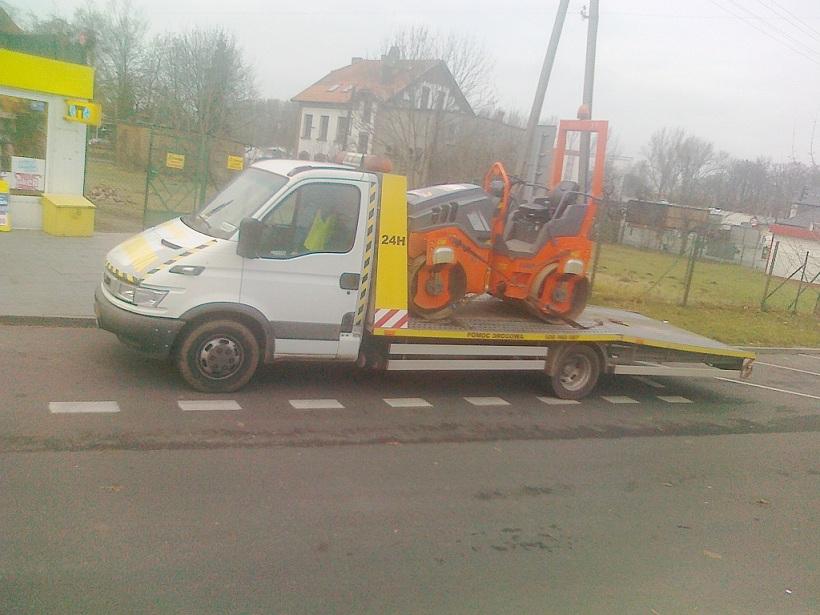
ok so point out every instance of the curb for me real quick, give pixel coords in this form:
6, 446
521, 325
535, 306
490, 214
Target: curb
82, 322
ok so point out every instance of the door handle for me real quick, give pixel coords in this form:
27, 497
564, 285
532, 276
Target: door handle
349, 281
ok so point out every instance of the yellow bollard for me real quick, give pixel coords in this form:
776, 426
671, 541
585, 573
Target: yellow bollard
5, 217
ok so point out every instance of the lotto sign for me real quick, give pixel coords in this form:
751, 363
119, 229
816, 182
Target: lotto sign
5, 225
83, 111
174, 161
236, 163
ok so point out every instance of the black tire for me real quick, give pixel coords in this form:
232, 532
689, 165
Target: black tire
458, 287
218, 356
573, 371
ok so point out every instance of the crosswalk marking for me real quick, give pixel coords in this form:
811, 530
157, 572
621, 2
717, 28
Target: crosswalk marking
487, 401
407, 402
315, 404
619, 399
674, 399
82, 407
556, 401
207, 405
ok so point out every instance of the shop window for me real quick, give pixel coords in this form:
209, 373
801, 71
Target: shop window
23, 125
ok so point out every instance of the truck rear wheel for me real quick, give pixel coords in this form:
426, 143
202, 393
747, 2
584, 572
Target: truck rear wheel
574, 370
218, 356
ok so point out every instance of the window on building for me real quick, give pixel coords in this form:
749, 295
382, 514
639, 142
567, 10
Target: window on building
307, 126
23, 125
342, 125
367, 112
324, 122
425, 98
314, 218
364, 138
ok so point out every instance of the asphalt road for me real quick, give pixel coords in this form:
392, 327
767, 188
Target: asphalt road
713, 524
46, 366
315, 491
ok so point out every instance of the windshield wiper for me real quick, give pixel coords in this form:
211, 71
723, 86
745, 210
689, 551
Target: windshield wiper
218, 207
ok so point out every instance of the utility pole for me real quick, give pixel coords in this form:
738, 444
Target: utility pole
589, 82
541, 90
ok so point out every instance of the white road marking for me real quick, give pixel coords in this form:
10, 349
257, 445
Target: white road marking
315, 404
557, 401
674, 399
487, 401
791, 369
619, 399
207, 405
82, 407
816, 357
407, 402
649, 382
762, 386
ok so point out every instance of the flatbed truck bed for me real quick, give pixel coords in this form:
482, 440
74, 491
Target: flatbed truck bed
488, 334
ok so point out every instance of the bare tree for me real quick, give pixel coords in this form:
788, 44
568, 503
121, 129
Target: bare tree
676, 163
119, 52
201, 83
114, 37
464, 55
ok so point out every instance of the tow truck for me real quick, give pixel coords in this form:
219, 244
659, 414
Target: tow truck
306, 261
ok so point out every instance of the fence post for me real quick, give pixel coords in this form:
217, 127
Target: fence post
772, 259
800, 285
690, 268
148, 171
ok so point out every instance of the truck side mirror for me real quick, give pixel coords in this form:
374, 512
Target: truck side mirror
250, 238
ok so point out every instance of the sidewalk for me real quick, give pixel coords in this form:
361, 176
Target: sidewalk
44, 277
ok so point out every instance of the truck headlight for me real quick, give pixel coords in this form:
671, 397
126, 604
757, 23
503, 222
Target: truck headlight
136, 295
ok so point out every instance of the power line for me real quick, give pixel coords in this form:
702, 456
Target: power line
783, 33
789, 20
765, 32
798, 19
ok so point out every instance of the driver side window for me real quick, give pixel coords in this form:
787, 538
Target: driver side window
315, 218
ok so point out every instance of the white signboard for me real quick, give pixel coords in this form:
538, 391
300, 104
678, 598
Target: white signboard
28, 174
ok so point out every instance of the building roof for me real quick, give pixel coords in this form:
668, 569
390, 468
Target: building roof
384, 79
794, 231
7, 24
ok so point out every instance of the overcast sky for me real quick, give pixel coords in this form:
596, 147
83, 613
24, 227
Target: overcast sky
744, 74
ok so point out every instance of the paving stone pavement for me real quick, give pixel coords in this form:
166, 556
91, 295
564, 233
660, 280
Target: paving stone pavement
43, 276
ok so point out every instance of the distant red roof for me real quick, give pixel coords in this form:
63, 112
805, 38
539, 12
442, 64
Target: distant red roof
374, 76
794, 231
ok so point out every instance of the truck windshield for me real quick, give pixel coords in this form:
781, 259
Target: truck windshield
240, 199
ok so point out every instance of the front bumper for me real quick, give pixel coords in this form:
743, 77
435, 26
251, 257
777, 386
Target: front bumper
148, 334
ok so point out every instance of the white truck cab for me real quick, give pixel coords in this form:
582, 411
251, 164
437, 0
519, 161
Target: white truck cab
289, 289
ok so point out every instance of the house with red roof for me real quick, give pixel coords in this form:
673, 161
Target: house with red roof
363, 106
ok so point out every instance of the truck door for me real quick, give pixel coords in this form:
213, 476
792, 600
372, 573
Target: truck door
307, 281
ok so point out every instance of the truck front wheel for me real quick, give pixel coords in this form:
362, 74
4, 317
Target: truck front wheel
218, 356
573, 370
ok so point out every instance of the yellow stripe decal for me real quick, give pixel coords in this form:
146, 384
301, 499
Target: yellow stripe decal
181, 255
563, 337
139, 252
369, 252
